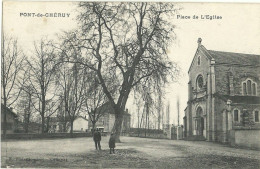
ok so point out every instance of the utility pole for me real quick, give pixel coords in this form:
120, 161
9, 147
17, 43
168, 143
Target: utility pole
168, 113
178, 109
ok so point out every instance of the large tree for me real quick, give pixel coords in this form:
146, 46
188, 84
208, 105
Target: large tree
11, 65
41, 77
72, 77
125, 44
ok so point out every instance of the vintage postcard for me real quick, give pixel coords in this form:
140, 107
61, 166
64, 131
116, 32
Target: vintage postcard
130, 85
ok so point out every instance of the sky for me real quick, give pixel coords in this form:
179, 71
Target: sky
238, 31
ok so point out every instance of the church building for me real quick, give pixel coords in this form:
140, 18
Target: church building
224, 97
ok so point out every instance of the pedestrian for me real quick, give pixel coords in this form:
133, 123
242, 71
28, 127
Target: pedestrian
97, 139
112, 143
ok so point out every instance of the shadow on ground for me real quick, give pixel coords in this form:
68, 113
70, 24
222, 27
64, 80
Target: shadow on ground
123, 158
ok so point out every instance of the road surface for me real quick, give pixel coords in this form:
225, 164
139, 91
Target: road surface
131, 153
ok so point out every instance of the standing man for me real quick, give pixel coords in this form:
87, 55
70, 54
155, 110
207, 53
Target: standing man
97, 139
112, 143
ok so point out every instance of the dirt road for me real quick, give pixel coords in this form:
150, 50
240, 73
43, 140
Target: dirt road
131, 153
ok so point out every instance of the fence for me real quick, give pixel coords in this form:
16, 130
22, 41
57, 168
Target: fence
149, 133
46, 135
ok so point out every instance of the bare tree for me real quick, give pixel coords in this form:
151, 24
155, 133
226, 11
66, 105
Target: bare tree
127, 42
12, 64
73, 77
26, 103
73, 85
95, 100
62, 116
158, 98
41, 77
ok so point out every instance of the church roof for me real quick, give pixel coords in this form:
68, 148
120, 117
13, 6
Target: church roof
235, 58
228, 58
240, 99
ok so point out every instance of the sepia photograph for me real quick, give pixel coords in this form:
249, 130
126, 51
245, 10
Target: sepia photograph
102, 84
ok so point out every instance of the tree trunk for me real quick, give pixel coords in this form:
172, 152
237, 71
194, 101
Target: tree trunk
93, 126
43, 122
64, 126
71, 128
5, 119
118, 125
4, 88
28, 114
26, 127
145, 125
26, 123
48, 124
43, 112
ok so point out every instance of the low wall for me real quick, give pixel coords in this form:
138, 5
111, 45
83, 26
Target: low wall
45, 135
245, 138
148, 135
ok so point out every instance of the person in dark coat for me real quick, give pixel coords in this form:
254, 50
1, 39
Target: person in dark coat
112, 143
97, 139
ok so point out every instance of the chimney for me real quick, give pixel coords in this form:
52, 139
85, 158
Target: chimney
199, 41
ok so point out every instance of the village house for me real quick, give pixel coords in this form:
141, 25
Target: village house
11, 119
106, 121
223, 97
80, 124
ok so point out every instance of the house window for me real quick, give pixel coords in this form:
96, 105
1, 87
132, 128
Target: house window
200, 81
236, 115
249, 87
198, 60
256, 114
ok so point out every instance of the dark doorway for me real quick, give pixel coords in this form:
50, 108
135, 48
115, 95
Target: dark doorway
201, 125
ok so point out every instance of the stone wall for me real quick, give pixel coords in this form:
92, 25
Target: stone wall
245, 138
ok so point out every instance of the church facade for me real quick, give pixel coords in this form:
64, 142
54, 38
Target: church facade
224, 97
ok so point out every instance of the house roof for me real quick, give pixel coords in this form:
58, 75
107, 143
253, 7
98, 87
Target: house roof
235, 58
81, 117
8, 110
107, 108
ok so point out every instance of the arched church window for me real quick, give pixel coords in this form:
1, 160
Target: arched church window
198, 60
249, 87
200, 81
244, 89
199, 111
